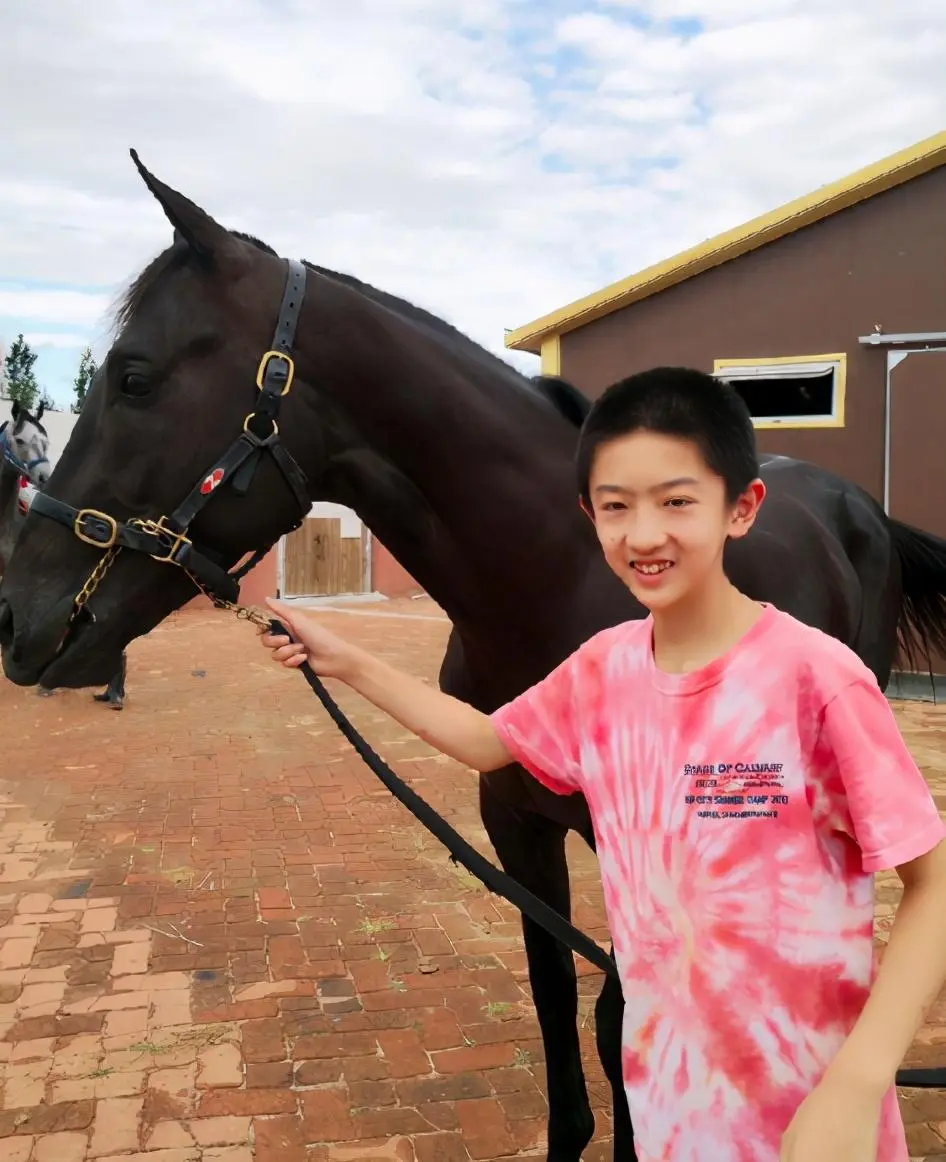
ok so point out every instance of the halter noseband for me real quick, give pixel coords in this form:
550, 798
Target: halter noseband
166, 539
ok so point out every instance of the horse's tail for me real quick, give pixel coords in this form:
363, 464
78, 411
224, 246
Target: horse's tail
921, 630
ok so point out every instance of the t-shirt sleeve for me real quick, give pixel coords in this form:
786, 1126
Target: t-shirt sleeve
875, 790
539, 728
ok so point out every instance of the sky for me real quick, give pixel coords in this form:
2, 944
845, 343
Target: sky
490, 160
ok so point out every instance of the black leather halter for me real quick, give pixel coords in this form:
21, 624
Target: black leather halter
166, 539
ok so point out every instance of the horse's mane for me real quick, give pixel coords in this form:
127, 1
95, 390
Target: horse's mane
567, 400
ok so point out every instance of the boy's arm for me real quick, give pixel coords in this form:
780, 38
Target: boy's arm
911, 975
537, 729
447, 724
896, 824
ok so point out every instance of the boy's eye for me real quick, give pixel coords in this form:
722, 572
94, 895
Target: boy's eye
679, 502
612, 506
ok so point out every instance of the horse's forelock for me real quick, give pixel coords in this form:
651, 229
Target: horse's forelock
25, 418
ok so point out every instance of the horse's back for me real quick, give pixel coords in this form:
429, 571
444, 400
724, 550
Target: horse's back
821, 550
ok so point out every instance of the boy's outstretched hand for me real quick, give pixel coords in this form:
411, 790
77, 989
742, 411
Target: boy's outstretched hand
329, 655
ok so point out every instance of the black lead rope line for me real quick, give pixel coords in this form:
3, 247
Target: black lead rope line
498, 881
460, 851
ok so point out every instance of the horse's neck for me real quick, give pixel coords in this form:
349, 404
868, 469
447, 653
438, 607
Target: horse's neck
467, 478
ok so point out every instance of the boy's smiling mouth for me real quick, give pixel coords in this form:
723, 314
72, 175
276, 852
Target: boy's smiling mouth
651, 568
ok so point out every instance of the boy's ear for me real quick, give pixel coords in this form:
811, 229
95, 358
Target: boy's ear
585, 509
747, 509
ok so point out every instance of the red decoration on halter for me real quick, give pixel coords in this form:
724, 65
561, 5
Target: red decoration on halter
210, 482
25, 495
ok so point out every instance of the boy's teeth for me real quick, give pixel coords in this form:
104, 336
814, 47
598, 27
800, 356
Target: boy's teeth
657, 567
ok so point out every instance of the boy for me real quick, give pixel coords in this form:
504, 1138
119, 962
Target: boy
746, 778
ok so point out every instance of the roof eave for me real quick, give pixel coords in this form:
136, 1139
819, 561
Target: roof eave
805, 211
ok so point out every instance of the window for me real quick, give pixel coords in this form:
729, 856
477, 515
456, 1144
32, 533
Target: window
804, 391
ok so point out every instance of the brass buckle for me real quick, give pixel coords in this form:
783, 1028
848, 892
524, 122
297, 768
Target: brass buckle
274, 432
92, 514
159, 529
264, 363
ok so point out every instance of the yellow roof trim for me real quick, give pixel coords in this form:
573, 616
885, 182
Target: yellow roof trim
814, 207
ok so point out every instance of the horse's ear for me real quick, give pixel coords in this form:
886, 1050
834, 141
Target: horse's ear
202, 234
15, 410
42, 408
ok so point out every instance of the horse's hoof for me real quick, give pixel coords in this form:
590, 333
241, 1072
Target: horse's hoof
114, 702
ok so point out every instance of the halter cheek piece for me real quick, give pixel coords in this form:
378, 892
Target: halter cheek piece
166, 539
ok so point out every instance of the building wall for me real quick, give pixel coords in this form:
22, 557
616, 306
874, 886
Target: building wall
810, 293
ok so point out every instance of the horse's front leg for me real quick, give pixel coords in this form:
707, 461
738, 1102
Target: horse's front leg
114, 693
532, 851
609, 1028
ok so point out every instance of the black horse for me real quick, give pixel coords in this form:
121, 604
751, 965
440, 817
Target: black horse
463, 468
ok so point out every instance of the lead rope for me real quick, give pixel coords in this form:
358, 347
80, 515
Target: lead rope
461, 852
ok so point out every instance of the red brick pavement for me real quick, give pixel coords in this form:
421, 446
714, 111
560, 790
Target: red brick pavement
222, 940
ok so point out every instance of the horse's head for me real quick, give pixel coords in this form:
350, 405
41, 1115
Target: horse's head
24, 444
184, 411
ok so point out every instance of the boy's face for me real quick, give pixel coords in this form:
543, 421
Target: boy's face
662, 516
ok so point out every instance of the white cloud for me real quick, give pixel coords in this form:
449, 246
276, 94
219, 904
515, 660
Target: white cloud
64, 307
490, 159
59, 340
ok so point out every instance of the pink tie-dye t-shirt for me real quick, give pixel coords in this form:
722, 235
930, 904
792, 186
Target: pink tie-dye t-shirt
740, 812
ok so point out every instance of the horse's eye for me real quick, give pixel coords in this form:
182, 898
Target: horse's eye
135, 385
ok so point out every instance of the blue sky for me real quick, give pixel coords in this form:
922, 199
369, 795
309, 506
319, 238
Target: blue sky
57, 343
489, 159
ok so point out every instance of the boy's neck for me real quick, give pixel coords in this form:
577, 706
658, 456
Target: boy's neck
693, 633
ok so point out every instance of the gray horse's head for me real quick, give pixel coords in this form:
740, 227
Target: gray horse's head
24, 444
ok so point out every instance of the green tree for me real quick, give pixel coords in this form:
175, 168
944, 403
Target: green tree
21, 380
87, 369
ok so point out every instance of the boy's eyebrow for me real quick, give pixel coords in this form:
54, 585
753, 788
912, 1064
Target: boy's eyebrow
677, 482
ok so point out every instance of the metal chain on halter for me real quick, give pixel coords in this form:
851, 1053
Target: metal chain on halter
251, 613
93, 581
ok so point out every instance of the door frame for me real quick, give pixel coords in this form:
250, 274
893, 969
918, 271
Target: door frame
937, 345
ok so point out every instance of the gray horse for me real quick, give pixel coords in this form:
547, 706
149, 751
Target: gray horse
24, 468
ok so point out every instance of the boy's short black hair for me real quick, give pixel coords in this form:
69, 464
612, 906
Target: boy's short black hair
675, 401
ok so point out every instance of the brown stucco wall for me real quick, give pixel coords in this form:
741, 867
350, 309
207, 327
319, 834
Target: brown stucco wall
810, 293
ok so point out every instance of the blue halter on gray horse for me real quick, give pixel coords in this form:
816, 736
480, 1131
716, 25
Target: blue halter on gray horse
24, 467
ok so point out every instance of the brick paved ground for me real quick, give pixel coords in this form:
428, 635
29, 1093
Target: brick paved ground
222, 941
